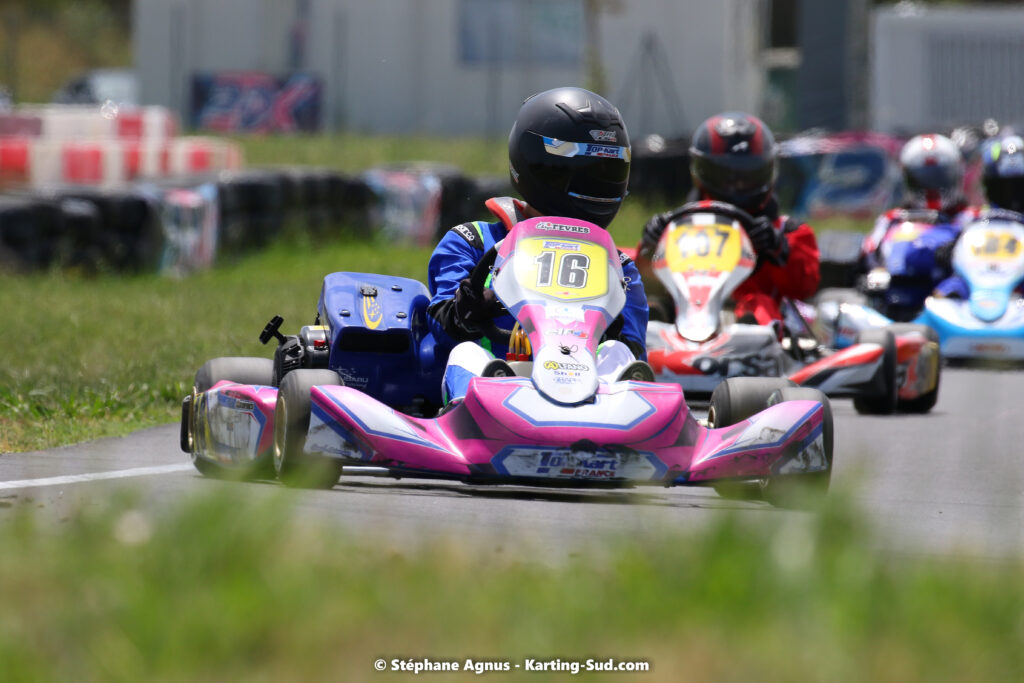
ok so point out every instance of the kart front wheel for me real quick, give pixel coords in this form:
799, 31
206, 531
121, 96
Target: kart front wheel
925, 402
737, 398
295, 467
239, 369
796, 490
734, 400
882, 400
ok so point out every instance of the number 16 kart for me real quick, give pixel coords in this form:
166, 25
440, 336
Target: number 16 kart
554, 422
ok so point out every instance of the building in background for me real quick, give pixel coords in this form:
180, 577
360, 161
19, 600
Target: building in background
447, 66
937, 68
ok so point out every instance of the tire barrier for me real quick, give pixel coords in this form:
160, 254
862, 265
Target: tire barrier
418, 202
660, 172
187, 223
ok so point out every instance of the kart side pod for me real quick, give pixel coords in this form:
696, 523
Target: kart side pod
380, 342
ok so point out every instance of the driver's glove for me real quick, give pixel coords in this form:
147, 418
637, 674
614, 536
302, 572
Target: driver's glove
653, 231
473, 309
769, 242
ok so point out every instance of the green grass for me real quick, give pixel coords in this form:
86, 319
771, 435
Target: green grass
237, 587
101, 356
353, 153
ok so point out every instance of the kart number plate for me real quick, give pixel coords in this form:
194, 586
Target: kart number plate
563, 269
703, 248
995, 245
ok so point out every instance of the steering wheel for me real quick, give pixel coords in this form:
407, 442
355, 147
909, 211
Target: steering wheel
711, 206
477, 282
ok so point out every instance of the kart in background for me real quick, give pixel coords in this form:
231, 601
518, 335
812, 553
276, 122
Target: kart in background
909, 268
988, 325
552, 424
702, 258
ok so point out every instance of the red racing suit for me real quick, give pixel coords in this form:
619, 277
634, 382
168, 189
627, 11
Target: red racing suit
761, 294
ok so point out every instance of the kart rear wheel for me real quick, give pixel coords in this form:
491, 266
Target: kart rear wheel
243, 370
798, 490
295, 467
883, 402
734, 400
925, 402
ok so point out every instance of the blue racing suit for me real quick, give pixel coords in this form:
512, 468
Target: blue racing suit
461, 249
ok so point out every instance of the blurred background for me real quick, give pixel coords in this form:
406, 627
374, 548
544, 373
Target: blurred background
184, 103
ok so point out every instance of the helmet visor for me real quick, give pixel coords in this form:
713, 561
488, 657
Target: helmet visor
734, 178
938, 177
593, 171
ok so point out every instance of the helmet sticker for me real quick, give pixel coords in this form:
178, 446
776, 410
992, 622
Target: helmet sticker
562, 148
604, 135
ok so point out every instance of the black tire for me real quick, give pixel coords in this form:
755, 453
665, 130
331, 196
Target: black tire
884, 394
244, 370
799, 490
734, 400
294, 466
925, 402
241, 369
737, 398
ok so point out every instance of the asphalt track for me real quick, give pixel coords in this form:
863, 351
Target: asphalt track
950, 481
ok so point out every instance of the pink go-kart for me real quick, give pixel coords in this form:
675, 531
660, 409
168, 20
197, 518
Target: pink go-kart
555, 423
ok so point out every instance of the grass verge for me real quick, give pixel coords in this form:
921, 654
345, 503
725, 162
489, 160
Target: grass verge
228, 588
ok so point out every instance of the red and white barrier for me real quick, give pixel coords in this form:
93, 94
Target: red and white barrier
60, 144
75, 122
112, 162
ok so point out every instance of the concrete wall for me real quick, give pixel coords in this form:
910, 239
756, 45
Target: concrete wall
395, 66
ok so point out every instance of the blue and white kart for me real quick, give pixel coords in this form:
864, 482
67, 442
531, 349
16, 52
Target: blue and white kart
985, 323
989, 323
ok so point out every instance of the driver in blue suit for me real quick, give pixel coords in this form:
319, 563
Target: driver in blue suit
569, 155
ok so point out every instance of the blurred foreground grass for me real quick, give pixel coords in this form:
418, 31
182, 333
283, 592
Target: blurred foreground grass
228, 588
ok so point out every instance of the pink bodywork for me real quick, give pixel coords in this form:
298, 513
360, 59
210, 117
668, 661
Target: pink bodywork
663, 444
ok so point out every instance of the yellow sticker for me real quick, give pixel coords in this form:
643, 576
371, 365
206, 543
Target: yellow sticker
565, 269
373, 314
705, 248
995, 245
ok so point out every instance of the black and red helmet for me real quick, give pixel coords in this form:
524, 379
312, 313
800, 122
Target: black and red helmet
733, 158
569, 155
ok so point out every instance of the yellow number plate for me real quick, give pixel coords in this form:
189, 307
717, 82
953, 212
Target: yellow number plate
995, 245
703, 248
564, 269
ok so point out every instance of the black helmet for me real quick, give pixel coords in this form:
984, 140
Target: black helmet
1003, 172
733, 159
933, 171
569, 155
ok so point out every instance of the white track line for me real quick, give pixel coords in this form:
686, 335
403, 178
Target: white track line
94, 476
